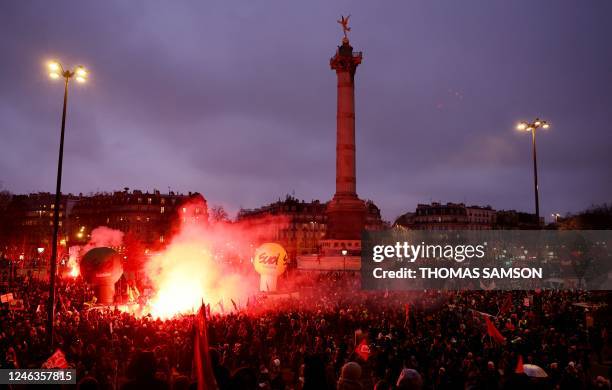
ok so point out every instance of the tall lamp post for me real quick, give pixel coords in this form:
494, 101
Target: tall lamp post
57, 71
532, 127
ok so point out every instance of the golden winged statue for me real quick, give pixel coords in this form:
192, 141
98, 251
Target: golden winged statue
344, 22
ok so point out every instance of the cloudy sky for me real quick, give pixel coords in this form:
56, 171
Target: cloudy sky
236, 100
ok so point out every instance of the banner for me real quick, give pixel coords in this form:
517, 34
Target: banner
6, 298
16, 304
57, 360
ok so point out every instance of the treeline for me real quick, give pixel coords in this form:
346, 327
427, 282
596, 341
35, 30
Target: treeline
596, 217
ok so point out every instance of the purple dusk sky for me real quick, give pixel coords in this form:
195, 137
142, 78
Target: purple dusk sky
236, 100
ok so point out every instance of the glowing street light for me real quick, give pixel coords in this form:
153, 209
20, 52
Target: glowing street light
532, 127
57, 71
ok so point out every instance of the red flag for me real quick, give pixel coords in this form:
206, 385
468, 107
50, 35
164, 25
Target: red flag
493, 332
220, 303
407, 310
201, 357
363, 350
57, 360
519, 365
507, 304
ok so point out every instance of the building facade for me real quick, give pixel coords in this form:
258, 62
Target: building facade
449, 216
299, 226
143, 217
26, 224
149, 218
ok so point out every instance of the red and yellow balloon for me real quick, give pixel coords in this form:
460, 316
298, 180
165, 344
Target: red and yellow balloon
270, 261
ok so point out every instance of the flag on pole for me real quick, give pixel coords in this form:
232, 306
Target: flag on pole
358, 335
519, 366
491, 286
57, 360
507, 304
220, 303
494, 332
201, 357
363, 350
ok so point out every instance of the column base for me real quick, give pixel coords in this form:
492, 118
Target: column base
346, 217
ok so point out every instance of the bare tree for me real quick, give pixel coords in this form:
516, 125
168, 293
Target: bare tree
218, 214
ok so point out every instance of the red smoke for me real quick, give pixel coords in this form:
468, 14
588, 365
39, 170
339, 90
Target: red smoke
205, 262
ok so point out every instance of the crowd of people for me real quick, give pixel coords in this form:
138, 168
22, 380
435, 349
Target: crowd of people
331, 336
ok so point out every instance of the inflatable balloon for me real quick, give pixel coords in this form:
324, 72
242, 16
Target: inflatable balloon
270, 261
102, 267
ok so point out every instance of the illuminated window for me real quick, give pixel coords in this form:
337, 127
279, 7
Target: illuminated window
162, 209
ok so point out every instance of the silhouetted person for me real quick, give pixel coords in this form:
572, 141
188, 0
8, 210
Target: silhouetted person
244, 378
349, 377
314, 373
88, 383
142, 373
222, 374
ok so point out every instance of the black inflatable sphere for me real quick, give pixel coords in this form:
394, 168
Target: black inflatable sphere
102, 267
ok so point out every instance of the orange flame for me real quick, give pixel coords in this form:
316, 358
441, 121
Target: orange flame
187, 273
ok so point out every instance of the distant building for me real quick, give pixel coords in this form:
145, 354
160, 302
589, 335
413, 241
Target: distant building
27, 224
449, 216
149, 218
297, 225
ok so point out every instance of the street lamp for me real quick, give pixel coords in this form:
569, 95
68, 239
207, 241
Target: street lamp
532, 127
344, 253
57, 71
